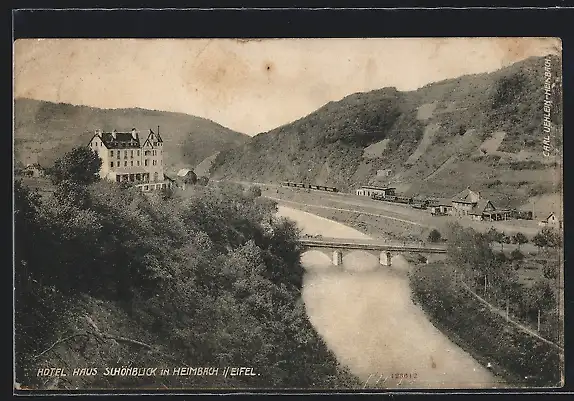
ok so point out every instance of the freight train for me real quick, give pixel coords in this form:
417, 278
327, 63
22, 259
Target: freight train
309, 186
393, 199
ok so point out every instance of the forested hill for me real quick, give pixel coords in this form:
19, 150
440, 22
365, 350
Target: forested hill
44, 131
208, 279
475, 127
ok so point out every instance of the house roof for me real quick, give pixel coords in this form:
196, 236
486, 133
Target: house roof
378, 188
466, 196
481, 205
440, 202
184, 171
122, 140
550, 215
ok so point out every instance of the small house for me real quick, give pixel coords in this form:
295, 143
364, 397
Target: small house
370, 191
552, 221
384, 172
185, 176
33, 170
465, 202
440, 206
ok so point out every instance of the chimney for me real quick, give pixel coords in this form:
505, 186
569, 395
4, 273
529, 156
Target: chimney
114, 134
134, 134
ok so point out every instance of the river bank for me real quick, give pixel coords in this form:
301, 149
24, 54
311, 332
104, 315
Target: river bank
522, 359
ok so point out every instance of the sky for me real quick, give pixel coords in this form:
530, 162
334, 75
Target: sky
250, 86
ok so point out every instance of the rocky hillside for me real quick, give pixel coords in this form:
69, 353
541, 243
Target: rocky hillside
482, 130
44, 131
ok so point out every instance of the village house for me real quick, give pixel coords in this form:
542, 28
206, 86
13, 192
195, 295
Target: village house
440, 206
464, 202
384, 172
470, 203
126, 158
552, 221
185, 176
484, 210
33, 170
369, 191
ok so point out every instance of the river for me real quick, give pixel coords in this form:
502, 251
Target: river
366, 316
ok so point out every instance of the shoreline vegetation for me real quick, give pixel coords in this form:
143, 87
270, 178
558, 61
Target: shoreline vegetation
519, 358
109, 277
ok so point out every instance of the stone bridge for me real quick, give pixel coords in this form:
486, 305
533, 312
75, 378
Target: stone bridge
384, 250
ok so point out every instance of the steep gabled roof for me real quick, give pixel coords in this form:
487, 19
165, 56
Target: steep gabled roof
466, 196
122, 140
481, 206
183, 172
151, 132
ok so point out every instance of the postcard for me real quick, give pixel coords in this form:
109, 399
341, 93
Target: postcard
312, 214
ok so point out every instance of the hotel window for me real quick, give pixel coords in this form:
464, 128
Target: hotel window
126, 163
132, 163
145, 162
111, 153
132, 154
125, 154
118, 154
111, 164
138, 162
138, 153
154, 162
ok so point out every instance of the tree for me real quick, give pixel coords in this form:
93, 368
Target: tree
80, 165
519, 239
551, 271
434, 235
516, 255
493, 235
202, 180
540, 240
553, 239
504, 239
254, 192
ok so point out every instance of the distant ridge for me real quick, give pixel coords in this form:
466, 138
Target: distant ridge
43, 131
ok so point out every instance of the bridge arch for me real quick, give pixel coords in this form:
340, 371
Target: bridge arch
317, 259
361, 260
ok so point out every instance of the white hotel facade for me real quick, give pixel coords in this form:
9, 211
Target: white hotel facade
126, 158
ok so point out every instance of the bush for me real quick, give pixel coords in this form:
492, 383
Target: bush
434, 235
202, 180
516, 255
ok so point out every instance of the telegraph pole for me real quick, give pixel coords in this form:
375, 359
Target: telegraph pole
538, 320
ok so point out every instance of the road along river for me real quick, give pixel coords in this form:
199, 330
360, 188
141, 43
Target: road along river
365, 315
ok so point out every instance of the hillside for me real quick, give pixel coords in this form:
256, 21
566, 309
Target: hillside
202, 279
44, 131
482, 130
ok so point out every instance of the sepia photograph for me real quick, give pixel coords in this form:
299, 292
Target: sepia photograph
310, 214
